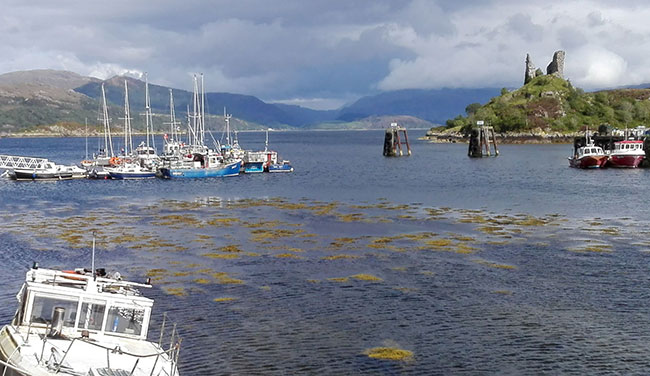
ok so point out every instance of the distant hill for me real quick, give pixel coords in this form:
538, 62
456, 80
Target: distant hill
435, 106
306, 117
39, 97
35, 98
245, 107
377, 122
552, 104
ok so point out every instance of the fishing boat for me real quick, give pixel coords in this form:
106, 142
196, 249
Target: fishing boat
588, 155
210, 165
83, 323
626, 153
272, 164
285, 166
195, 159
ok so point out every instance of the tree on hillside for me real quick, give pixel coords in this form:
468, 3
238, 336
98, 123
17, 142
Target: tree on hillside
472, 108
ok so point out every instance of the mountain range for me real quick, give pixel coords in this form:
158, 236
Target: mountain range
45, 97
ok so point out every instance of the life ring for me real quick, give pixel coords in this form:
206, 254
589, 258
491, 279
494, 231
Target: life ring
115, 161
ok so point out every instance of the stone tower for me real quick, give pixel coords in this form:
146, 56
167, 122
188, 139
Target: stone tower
530, 70
556, 67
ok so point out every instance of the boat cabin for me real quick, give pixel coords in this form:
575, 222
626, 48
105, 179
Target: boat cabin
85, 304
628, 145
589, 150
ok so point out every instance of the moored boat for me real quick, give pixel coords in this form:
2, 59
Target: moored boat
588, 156
83, 323
130, 171
48, 171
626, 153
285, 166
200, 166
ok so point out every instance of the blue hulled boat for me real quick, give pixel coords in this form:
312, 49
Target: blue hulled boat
197, 171
285, 166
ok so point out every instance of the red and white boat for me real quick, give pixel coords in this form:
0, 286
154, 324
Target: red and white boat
588, 156
626, 153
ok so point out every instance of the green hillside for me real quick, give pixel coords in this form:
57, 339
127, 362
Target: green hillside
552, 104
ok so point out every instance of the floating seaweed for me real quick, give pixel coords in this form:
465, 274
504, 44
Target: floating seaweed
388, 353
366, 277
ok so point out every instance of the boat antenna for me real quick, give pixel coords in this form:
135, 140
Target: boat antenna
92, 262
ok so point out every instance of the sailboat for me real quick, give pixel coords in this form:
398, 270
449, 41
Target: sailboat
172, 142
105, 157
130, 168
146, 150
197, 160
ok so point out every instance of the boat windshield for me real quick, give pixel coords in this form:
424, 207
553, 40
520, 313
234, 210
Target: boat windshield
92, 314
125, 320
43, 309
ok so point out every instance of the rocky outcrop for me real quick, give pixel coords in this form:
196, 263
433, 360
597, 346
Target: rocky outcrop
556, 67
530, 70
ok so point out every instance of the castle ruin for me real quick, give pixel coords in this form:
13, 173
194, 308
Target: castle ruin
555, 68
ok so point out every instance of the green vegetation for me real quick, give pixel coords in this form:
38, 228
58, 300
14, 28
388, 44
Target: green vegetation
552, 104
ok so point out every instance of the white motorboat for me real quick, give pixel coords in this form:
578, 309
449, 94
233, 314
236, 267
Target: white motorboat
83, 323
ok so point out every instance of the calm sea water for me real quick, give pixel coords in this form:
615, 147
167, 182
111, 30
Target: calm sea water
514, 265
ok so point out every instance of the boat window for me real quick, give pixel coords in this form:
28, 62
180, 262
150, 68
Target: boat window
43, 309
125, 320
92, 314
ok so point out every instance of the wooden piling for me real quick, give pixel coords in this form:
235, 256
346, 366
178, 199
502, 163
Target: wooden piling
393, 141
481, 142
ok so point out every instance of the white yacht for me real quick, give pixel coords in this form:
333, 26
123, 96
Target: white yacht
83, 323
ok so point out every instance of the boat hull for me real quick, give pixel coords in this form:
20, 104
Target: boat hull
232, 169
253, 167
131, 175
625, 161
7, 347
588, 162
40, 175
283, 167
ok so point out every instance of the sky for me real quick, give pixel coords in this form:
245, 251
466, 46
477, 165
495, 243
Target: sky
325, 53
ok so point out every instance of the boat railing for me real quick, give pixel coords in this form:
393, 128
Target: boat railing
172, 353
8, 366
56, 276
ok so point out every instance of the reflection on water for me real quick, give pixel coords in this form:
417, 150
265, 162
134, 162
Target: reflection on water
301, 286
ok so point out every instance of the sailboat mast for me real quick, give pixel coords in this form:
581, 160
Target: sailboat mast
172, 117
128, 143
86, 121
108, 140
195, 120
146, 106
202, 110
